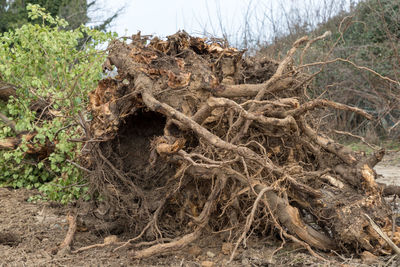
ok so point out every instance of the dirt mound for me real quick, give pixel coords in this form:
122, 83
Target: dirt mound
193, 138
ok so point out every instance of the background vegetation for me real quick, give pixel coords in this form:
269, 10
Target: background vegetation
364, 62
14, 13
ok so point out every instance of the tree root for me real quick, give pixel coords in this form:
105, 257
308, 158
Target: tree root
109, 240
66, 244
247, 149
201, 222
167, 247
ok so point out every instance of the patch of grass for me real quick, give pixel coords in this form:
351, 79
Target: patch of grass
391, 145
388, 145
359, 146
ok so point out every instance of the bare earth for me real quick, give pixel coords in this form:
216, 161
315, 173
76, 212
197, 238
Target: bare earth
29, 232
389, 169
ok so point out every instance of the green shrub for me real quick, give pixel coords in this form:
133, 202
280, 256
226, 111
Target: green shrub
56, 68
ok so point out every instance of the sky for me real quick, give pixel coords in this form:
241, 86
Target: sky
231, 18
165, 17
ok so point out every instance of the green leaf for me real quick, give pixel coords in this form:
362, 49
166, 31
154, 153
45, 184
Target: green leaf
49, 67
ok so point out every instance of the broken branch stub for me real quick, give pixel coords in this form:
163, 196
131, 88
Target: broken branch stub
184, 114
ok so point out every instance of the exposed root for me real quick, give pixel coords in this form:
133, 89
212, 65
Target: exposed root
249, 221
191, 136
149, 224
109, 240
70, 234
201, 222
167, 247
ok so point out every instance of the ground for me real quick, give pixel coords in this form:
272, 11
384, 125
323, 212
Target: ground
29, 232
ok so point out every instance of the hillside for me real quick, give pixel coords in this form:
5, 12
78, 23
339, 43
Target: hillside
359, 66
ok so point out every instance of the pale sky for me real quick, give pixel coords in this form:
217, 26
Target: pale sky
165, 17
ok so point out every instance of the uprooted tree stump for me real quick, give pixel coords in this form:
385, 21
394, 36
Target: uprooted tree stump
192, 137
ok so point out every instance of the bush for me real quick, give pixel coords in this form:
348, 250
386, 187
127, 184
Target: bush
53, 70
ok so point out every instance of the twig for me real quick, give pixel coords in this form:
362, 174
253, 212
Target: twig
353, 64
326, 103
362, 139
79, 166
309, 43
63, 128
